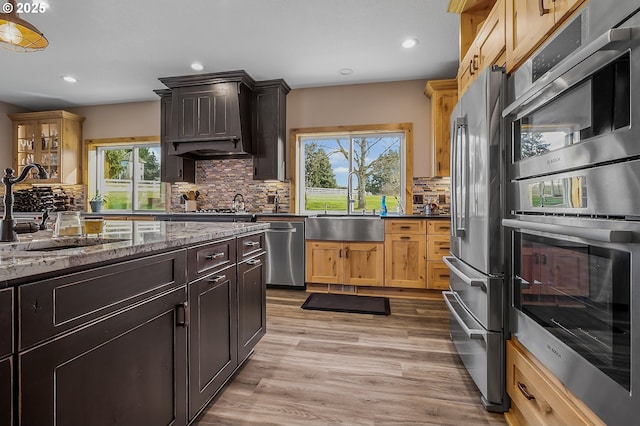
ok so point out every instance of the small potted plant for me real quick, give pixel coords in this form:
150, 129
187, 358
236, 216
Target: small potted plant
97, 201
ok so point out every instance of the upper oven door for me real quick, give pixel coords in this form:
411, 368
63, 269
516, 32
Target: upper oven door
581, 112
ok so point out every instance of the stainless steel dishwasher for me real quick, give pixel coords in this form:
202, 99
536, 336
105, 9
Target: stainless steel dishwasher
285, 253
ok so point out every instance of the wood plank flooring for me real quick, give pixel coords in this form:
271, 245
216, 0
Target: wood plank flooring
321, 368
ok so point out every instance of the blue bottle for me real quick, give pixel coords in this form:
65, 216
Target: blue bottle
383, 206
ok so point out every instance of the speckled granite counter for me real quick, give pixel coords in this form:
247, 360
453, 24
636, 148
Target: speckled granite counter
27, 258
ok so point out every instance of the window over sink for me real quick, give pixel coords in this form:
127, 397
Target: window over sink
373, 157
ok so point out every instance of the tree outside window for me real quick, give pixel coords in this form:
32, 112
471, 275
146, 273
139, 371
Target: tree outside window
373, 161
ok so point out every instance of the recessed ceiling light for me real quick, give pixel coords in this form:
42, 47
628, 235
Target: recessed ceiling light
197, 66
409, 43
346, 71
69, 79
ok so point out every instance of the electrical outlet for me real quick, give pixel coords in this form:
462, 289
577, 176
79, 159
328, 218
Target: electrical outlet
418, 199
271, 199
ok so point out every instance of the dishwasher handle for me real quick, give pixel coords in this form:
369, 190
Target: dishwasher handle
281, 230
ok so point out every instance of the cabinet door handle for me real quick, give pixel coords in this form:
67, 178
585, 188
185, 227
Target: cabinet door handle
253, 262
182, 315
216, 279
251, 243
523, 389
214, 256
340, 253
471, 70
542, 9
346, 253
474, 62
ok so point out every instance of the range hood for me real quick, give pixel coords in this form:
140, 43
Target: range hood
211, 115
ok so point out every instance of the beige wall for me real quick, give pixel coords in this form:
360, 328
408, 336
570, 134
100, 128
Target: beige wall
6, 134
376, 103
120, 120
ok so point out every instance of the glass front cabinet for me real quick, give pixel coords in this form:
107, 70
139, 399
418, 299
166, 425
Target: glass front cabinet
52, 139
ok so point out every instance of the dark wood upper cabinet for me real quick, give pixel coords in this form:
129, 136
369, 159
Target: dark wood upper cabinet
223, 115
172, 167
211, 115
270, 120
202, 112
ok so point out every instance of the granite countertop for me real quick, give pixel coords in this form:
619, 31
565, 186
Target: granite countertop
120, 239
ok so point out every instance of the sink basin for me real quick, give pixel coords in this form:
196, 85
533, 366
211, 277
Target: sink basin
57, 244
344, 228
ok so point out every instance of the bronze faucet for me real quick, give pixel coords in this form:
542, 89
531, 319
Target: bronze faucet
8, 227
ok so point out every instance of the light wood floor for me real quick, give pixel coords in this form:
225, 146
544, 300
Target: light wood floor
320, 368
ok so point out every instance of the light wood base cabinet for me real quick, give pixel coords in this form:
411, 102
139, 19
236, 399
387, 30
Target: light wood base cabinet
351, 263
438, 245
537, 397
405, 253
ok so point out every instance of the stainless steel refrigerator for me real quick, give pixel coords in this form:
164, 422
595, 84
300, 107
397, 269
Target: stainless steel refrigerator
476, 299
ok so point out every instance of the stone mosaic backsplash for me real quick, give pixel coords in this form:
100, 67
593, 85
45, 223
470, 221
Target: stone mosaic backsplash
219, 180
431, 190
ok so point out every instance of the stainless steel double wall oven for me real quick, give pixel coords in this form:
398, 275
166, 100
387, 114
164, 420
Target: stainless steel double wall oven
574, 207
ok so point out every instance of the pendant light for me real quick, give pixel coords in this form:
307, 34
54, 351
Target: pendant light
17, 34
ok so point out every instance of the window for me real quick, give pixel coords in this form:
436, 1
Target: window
374, 160
127, 174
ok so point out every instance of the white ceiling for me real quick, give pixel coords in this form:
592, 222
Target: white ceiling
118, 49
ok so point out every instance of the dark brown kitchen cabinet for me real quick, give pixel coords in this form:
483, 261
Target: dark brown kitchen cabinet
172, 167
252, 312
6, 357
53, 306
6, 391
213, 335
202, 112
127, 369
270, 121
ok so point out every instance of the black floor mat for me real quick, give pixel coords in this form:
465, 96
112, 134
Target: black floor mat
348, 303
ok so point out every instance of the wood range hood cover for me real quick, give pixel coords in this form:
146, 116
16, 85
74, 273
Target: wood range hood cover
211, 115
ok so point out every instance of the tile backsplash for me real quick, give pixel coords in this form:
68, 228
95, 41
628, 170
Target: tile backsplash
219, 180
431, 189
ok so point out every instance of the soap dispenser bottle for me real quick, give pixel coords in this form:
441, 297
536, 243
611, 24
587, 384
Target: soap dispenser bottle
383, 206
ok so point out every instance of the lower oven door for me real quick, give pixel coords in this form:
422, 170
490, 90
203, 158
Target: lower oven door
481, 351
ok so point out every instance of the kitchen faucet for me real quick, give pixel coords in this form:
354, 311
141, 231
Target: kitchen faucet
350, 200
8, 227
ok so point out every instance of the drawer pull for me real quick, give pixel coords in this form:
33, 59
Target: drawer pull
405, 227
405, 237
543, 10
182, 315
217, 279
253, 262
251, 243
523, 389
214, 256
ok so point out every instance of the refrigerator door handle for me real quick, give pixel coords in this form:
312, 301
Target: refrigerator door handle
472, 282
459, 186
472, 333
